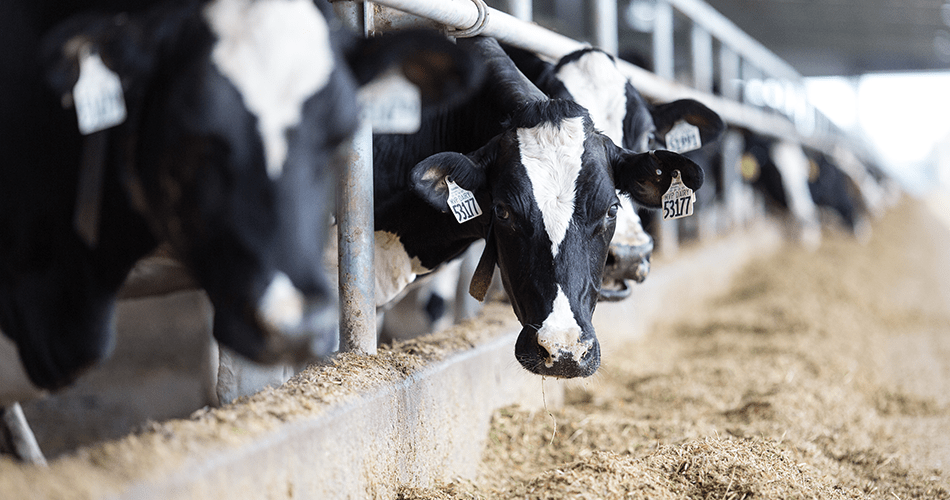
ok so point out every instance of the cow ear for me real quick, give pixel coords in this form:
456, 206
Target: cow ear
444, 72
693, 112
647, 176
429, 177
128, 46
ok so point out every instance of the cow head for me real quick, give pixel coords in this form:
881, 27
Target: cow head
591, 78
237, 110
550, 183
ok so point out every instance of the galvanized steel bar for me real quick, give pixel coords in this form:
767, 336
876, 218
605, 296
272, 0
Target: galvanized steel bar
505, 27
701, 44
729, 34
357, 277
522, 10
663, 62
605, 25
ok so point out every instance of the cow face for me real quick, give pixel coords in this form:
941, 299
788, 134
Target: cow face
591, 78
551, 183
237, 108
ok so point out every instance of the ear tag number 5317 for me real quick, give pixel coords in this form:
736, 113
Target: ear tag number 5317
678, 200
462, 202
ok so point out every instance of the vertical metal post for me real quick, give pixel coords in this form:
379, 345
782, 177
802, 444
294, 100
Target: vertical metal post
357, 275
729, 76
701, 43
605, 25
663, 65
663, 40
521, 9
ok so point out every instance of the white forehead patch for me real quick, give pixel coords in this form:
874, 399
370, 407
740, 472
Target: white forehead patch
277, 53
595, 83
560, 333
552, 157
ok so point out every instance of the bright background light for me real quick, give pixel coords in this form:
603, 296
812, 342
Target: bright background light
902, 117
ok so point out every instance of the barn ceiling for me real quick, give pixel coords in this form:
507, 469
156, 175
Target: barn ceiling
848, 37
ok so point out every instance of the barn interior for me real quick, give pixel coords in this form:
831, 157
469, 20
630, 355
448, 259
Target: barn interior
834, 55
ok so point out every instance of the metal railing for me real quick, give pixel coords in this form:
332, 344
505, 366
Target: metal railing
787, 115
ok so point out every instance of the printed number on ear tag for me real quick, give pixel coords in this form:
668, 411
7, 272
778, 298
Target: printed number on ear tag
462, 202
678, 200
97, 95
683, 137
392, 104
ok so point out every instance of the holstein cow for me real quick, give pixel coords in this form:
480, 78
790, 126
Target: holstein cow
210, 125
779, 169
591, 78
833, 189
534, 178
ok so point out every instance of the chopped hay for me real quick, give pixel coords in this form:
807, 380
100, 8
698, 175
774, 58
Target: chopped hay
788, 386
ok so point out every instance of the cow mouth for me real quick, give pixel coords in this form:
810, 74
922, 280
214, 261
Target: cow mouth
613, 290
536, 359
624, 262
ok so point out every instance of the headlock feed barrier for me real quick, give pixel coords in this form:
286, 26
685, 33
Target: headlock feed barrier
432, 424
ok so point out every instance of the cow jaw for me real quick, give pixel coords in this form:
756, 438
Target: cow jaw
277, 54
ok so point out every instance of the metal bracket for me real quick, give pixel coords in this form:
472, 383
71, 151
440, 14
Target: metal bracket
475, 29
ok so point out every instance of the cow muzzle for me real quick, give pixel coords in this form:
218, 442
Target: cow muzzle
297, 328
625, 262
562, 354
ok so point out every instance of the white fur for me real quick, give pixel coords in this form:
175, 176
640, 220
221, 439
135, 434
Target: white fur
595, 83
551, 154
282, 305
560, 333
629, 229
793, 165
277, 53
15, 385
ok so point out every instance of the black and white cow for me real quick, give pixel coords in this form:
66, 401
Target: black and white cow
235, 109
545, 179
779, 168
833, 189
591, 78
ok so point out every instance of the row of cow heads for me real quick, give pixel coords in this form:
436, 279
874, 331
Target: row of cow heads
235, 112
549, 182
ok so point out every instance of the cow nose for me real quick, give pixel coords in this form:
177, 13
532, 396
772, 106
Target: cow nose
555, 354
298, 327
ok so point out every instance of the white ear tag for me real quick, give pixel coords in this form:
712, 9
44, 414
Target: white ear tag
462, 202
678, 200
97, 95
392, 104
683, 137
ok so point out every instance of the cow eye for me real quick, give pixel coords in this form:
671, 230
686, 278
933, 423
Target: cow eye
501, 212
612, 211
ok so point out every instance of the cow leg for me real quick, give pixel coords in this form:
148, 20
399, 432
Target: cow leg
19, 437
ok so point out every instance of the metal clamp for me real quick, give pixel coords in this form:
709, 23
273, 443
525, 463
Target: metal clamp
475, 29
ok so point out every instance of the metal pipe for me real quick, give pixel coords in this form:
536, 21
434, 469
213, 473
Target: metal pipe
701, 45
729, 34
605, 25
356, 238
357, 275
663, 62
521, 9
506, 28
